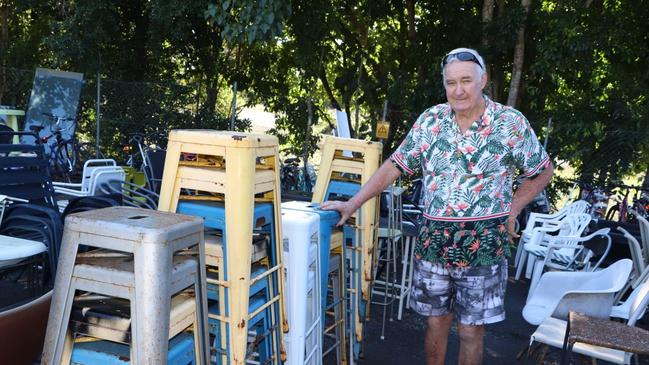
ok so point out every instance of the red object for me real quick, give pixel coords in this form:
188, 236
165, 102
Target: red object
22, 331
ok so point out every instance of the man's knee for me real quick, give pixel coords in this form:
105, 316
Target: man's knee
440, 321
470, 333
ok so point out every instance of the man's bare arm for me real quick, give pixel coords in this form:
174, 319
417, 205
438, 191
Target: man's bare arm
525, 193
381, 179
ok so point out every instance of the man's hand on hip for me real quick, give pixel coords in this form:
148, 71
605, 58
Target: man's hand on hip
511, 228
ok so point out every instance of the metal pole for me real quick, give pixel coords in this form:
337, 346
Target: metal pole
234, 106
385, 109
305, 155
98, 116
547, 133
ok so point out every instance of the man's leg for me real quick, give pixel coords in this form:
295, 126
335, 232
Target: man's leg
437, 339
471, 344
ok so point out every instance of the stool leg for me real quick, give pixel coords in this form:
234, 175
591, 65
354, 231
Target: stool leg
239, 203
168, 188
202, 327
60, 298
404, 270
324, 175
63, 349
150, 328
410, 270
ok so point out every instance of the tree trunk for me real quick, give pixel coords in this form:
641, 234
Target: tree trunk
4, 45
327, 87
412, 38
519, 56
487, 18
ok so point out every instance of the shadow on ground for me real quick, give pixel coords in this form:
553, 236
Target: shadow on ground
403, 343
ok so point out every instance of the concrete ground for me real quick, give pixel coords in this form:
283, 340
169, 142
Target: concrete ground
403, 343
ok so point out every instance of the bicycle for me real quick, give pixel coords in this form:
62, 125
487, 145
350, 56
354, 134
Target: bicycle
293, 178
620, 212
62, 152
596, 196
147, 159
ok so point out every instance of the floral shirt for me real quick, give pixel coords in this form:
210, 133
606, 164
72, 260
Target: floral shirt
468, 176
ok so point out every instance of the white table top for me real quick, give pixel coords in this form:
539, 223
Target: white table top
11, 112
14, 249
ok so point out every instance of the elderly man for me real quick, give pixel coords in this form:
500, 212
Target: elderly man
468, 151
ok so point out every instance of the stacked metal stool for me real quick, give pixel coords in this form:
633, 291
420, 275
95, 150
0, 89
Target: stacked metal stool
346, 164
151, 261
302, 259
231, 180
332, 278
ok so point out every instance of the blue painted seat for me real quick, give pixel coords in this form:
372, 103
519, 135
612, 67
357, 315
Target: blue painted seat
181, 352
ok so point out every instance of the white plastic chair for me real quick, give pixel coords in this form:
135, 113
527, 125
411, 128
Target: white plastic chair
536, 220
544, 248
644, 234
552, 331
622, 309
95, 173
572, 254
639, 265
92, 170
560, 292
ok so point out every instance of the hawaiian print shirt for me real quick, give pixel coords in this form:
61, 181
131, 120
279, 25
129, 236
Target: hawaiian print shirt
468, 176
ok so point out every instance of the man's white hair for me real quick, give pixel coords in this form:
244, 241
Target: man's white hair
450, 58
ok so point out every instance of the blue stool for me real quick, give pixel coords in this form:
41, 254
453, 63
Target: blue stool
260, 324
345, 190
214, 215
181, 352
341, 190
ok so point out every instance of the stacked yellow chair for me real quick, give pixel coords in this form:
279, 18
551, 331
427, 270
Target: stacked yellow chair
238, 169
338, 165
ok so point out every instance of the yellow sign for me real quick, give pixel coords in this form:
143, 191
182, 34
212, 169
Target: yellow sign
382, 129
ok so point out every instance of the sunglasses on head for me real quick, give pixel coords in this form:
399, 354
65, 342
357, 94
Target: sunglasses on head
462, 56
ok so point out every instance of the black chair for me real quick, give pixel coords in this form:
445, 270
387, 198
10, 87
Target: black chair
6, 134
155, 167
25, 173
85, 203
131, 194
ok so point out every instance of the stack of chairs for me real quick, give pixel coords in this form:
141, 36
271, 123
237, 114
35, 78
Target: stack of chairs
232, 181
346, 164
25, 174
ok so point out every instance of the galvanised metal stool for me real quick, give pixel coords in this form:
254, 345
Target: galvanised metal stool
237, 169
104, 326
154, 265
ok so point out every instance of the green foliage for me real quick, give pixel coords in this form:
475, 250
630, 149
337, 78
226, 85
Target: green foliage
250, 20
586, 65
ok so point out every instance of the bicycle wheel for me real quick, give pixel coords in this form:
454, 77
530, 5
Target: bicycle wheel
613, 214
87, 151
64, 158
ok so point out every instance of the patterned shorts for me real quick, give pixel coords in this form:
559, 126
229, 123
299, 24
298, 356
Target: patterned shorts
474, 294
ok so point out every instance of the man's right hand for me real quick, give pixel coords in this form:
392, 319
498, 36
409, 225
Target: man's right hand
345, 208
